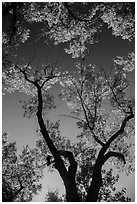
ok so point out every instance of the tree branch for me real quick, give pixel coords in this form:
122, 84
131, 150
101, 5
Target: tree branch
114, 154
119, 132
25, 74
71, 116
76, 18
58, 161
86, 117
27, 79
48, 78
19, 190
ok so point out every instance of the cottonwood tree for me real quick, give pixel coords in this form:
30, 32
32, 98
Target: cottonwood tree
21, 173
86, 94
106, 132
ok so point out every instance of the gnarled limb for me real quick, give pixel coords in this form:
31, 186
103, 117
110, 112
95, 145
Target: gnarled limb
119, 132
114, 154
68, 177
102, 158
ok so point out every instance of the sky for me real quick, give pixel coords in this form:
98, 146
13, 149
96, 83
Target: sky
22, 130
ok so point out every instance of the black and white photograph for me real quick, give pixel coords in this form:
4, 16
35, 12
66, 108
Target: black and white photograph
68, 101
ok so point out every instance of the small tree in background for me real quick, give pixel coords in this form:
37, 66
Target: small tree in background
53, 196
20, 172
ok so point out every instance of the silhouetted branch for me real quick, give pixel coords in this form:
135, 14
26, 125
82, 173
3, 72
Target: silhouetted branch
119, 132
86, 116
19, 190
26, 77
114, 154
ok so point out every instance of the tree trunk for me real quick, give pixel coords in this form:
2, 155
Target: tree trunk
95, 185
71, 191
68, 177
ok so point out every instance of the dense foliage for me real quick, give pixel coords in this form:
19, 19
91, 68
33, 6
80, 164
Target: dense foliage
20, 172
79, 24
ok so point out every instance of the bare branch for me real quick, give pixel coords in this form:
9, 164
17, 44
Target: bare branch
113, 154
97, 140
121, 130
32, 58
91, 128
48, 78
24, 71
112, 90
70, 116
26, 77
87, 120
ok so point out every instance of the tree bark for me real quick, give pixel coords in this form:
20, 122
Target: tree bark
96, 183
71, 190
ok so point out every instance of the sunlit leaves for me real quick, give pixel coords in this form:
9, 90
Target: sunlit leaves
23, 34
73, 28
125, 63
120, 17
38, 12
119, 84
23, 78
24, 169
77, 35
65, 22
13, 15
108, 192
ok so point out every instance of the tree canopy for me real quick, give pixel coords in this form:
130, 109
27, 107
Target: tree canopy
98, 100
79, 24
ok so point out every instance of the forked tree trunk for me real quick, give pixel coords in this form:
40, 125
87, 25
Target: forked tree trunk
68, 176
